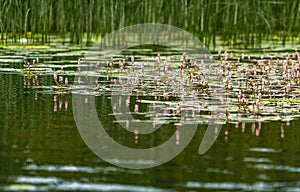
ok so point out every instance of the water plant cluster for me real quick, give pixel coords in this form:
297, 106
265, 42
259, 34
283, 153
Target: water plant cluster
177, 88
243, 23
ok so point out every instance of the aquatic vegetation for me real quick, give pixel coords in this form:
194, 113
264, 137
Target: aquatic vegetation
257, 89
171, 87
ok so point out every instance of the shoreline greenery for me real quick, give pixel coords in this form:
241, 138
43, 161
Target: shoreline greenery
246, 22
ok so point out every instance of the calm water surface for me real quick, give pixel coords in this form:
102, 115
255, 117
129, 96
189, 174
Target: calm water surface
42, 150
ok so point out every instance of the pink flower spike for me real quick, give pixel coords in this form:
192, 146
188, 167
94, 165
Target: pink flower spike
61, 79
127, 102
177, 137
55, 77
136, 135
136, 108
55, 107
243, 126
66, 105
60, 103
166, 95
66, 81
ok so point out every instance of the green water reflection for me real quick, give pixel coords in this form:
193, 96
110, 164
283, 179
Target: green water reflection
41, 149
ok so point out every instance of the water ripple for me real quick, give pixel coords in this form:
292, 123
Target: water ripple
277, 167
76, 168
257, 160
258, 186
24, 183
62, 168
265, 150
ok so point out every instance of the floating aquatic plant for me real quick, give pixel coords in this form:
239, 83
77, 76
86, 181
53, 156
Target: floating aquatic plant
170, 87
257, 88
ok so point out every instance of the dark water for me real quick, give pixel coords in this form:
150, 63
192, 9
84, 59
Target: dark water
41, 150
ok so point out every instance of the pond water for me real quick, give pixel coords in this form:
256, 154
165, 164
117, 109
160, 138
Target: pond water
42, 150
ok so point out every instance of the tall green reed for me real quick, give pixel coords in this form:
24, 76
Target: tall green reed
236, 22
